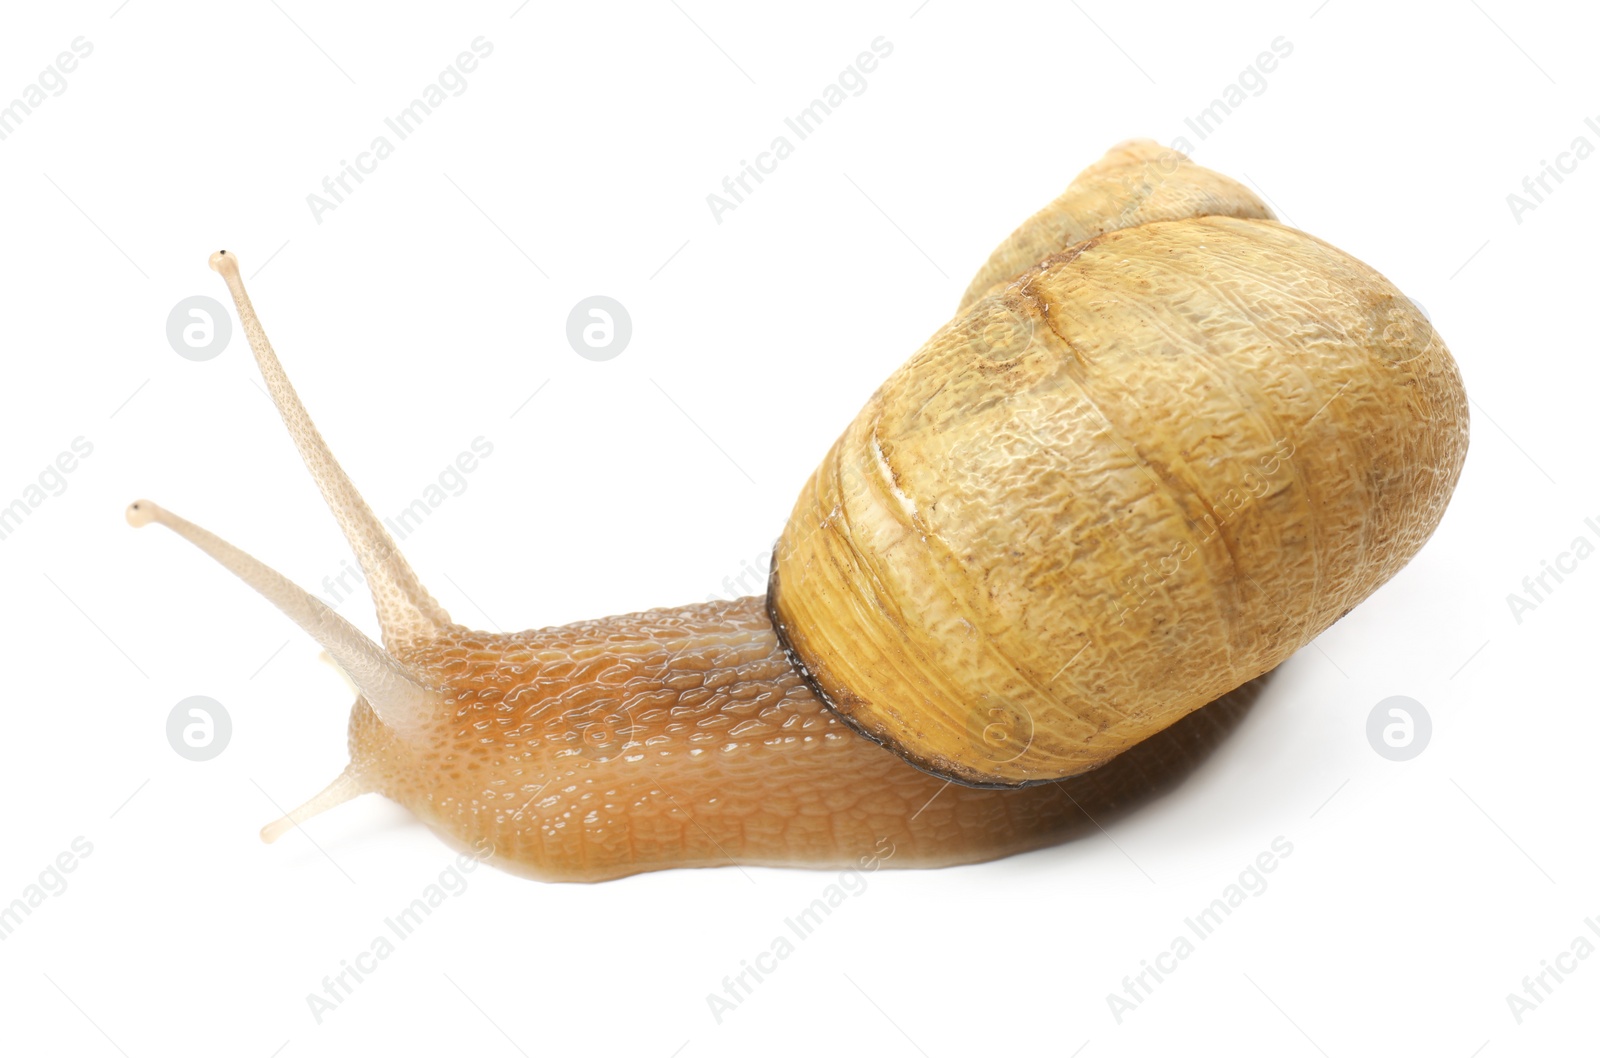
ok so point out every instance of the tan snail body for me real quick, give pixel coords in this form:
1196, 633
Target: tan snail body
1166, 442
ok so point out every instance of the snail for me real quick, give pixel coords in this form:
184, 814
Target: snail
1165, 442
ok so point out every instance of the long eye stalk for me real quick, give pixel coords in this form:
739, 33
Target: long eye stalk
400, 701
405, 609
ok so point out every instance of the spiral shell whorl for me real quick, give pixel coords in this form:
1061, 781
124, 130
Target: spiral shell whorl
1148, 470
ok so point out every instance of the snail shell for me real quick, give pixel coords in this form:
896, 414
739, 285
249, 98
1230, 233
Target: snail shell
1141, 473
1136, 182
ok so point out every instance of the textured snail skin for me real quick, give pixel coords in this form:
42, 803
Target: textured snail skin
684, 738
1073, 428
1146, 470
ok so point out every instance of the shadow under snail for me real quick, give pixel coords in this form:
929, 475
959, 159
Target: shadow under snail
1165, 442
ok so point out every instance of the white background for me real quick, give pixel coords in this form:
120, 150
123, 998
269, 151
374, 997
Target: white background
413, 319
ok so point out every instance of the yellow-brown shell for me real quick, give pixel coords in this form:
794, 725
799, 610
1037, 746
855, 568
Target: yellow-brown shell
1145, 471
1136, 182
